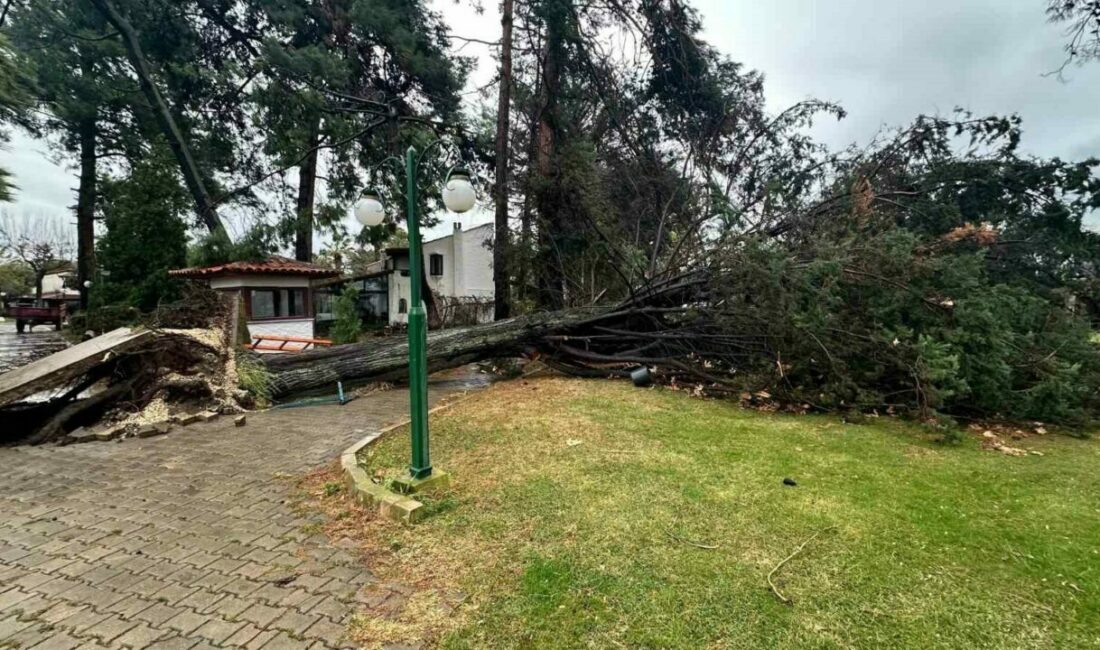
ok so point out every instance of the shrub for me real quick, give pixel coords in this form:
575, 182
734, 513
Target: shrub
254, 377
348, 325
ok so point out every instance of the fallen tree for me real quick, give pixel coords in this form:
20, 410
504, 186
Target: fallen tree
923, 283
594, 341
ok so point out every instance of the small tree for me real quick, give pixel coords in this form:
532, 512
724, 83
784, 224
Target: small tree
40, 242
144, 238
348, 324
16, 278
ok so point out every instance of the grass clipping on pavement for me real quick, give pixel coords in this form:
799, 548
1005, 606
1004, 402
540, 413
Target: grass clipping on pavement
593, 514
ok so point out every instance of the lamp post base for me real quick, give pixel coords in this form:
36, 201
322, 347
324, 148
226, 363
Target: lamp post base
437, 480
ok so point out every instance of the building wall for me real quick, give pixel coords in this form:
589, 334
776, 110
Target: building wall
256, 280
399, 289
475, 273
302, 327
467, 269
441, 284
53, 282
297, 327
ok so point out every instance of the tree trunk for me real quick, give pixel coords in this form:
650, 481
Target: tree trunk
501, 246
550, 275
39, 277
204, 206
85, 208
388, 358
307, 185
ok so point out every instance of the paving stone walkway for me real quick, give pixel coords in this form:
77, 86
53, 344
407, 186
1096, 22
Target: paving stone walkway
182, 541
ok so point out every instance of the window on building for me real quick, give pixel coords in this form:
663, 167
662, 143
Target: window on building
268, 304
402, 306
435, 264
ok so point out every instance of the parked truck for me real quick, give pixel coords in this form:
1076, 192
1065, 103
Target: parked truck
28, 313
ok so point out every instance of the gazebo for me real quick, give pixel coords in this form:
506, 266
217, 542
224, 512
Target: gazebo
277, 293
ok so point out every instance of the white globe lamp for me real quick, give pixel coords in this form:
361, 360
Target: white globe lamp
458, 192
369, 210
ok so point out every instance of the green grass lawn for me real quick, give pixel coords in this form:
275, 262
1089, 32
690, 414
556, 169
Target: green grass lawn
579, 508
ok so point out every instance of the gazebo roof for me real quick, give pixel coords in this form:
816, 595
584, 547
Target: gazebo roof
270, 266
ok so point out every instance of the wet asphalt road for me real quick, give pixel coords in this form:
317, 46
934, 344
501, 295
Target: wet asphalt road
20, 349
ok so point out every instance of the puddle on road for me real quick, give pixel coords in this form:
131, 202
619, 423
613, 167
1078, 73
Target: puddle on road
20, 349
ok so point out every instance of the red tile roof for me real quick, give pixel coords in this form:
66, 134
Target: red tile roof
272, 266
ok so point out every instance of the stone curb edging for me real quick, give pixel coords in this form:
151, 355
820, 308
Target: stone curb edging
398, 507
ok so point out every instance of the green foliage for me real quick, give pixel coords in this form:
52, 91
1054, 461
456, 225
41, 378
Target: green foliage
145, 236
348, 324
254, 377
104, 318
14, 100
16, 278
258, 244
880, 322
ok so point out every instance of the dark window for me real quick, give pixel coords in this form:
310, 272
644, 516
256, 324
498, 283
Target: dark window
268, 304
402, 306
435, 264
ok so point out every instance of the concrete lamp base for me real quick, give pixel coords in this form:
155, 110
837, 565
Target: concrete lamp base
436, 481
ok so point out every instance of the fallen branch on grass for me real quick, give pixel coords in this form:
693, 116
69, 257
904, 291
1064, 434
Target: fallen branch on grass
798, 550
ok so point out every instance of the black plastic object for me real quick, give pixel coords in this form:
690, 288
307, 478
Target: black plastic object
641, 377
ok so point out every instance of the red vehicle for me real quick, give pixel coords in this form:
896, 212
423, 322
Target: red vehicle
29, 313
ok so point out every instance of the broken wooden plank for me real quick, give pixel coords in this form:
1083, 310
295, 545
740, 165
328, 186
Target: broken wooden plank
61, 368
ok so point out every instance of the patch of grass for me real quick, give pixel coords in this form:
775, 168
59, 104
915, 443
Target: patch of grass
582, 512
254, 377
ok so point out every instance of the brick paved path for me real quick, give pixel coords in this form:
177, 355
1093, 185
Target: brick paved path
182, 541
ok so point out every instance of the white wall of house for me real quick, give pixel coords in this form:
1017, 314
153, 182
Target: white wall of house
297, 327
443, 285
257, 280
54, 282
467, 269
302, 327
474, 262
400, 289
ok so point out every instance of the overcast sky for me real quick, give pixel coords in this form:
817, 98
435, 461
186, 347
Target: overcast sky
885, 61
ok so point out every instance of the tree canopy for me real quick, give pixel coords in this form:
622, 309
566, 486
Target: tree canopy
937, 268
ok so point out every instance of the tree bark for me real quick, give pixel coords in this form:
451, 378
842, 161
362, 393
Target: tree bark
85, 208
307, 187
204, 206
388, 358
550, 275
501, 246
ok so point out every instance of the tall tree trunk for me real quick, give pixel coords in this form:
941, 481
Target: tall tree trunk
548, 197
39, 278
85, 208
204, 206
502, 303
307, 187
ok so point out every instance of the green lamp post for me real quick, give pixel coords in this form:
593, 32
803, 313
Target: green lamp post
458, 196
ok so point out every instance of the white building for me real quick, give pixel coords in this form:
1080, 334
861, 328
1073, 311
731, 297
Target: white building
459, 266
459, 270
277, 293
